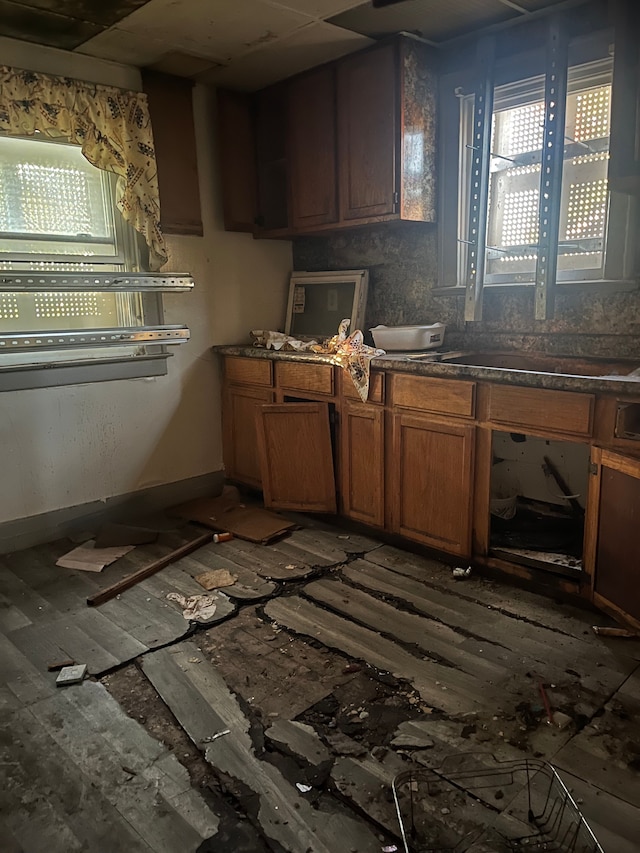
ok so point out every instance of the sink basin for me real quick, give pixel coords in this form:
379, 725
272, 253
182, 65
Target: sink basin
543, 363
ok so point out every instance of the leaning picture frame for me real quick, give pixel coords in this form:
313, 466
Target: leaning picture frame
318, 301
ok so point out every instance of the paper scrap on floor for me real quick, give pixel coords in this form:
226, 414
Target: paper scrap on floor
196, 608
215, 579
88, 558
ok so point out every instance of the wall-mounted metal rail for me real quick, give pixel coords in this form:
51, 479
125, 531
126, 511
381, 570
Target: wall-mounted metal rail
68, 282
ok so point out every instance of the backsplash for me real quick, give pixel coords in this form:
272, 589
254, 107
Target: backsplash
403, 269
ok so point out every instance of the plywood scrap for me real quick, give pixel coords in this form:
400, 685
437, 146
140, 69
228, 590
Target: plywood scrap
90, 558
114, 535
246, 522
215, 579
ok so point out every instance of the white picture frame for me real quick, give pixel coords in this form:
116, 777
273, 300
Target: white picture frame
328, 289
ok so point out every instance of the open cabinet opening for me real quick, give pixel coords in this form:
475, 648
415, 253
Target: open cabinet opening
538, 498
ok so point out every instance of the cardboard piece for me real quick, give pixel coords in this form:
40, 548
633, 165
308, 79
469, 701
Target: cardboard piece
88, 558
246, 522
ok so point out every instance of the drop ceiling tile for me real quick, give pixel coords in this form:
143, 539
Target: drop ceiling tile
182, 64
119, 46
319, 9
43, 26
105, 12
435, 20
317, 43
215, 29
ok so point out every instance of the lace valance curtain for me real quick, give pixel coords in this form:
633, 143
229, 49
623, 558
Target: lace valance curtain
111, 125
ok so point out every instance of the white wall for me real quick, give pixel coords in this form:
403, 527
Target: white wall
62, 447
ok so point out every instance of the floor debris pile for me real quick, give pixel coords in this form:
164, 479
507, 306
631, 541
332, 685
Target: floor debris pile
327, 666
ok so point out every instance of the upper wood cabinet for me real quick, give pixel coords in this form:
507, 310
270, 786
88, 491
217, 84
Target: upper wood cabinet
367, 99
312, 148
345, 144
238, 173
171, 110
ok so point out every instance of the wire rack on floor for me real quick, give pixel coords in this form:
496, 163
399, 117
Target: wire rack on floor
474, 803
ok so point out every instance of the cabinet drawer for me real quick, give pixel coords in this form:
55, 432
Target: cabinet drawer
376, 387
444, 396
249, 371
535, 408
305, 377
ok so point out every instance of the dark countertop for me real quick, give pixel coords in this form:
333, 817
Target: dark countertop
399, 363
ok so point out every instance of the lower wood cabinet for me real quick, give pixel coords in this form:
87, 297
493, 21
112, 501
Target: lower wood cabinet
362, 463
615, 541
296, 458
240, 439
432, 481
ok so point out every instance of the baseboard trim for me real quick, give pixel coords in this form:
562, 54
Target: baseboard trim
20, 533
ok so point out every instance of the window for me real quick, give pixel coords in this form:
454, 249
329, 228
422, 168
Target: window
514, 179
595, 227
60, 225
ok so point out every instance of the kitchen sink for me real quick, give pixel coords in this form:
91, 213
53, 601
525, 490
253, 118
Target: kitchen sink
543, 363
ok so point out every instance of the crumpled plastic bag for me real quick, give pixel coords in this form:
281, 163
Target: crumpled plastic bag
196, 608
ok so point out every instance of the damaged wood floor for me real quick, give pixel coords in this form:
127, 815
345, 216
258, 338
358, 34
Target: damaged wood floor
333, 664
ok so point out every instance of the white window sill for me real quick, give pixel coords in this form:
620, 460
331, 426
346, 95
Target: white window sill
22, 377
592, 287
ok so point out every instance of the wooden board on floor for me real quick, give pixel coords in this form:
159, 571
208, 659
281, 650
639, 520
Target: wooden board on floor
189, 684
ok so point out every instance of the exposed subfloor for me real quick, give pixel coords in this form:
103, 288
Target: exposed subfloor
332, 665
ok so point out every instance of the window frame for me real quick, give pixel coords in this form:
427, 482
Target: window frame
517, 72
50, 367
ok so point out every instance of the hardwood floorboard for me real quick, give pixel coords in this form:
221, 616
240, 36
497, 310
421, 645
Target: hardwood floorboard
185, 680
335, 632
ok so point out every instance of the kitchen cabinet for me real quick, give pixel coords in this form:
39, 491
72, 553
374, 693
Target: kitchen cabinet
240, 439
171, 109
312, 148
367, 101
417, 460
432, 481
238, 172
296, 458
362, 463
271, 156
349, 143
615, 506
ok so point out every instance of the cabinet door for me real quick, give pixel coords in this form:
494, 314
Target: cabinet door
362, 463
171, 107
296, 457
312, 148
433, 482
271, 142
367, 133
238, 174
616, 581
239, 433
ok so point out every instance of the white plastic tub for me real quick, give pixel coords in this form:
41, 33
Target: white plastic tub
407, 338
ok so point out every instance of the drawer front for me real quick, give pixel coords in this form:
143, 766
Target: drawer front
427, 394
376, 387
317, 378
249, 371
539, 409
